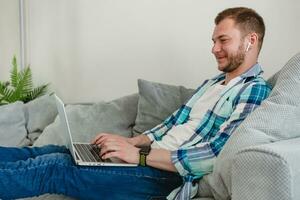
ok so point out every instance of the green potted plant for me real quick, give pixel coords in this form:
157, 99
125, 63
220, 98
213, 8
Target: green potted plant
20, 86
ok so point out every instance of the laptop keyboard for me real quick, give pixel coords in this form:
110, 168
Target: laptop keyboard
88, 152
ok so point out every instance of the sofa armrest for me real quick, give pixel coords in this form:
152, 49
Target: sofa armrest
270, 171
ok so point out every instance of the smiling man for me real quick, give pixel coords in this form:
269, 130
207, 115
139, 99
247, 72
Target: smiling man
172, 156
235, 34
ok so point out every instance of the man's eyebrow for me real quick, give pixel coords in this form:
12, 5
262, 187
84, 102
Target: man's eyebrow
219, 37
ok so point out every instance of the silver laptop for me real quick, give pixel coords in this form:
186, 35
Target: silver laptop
84, 154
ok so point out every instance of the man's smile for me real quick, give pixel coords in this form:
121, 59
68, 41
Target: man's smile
220, 58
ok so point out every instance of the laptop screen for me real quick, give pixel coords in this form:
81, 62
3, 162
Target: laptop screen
64, 124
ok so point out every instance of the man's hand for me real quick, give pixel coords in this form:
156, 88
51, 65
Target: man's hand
117, 146
136, 141
101, 137
125, 149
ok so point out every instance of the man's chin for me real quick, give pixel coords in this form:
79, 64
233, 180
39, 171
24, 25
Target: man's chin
221, 67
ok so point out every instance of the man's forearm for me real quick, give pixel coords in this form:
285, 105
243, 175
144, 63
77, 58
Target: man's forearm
141, 140
158, 158
161, 159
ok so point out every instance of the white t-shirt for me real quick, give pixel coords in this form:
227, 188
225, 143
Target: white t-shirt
177, 135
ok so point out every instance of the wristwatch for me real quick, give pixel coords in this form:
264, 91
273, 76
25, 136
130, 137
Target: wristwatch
144, 152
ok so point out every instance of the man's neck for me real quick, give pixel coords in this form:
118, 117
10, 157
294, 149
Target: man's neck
239, 71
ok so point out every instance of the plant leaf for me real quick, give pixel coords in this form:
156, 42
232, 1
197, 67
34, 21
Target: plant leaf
20, 87
8, 95
36, 92
24, 85
4, 93
14, 74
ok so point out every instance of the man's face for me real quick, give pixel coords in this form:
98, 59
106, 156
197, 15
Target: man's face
228, 48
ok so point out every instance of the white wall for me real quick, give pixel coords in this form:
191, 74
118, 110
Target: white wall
9, 35
97, 49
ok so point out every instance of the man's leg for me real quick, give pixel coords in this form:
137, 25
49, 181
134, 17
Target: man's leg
56, 173
12, 154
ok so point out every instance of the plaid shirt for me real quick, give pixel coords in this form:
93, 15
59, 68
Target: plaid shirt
196, 156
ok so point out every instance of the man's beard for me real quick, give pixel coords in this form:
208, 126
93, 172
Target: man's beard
234, 61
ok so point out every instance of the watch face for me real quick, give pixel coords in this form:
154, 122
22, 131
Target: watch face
145, 150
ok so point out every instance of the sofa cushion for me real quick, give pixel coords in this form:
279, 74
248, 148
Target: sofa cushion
40, 113
12, 124
88, 120
276, 119
156, 102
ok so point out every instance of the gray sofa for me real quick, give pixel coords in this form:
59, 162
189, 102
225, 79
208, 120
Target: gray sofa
260, 160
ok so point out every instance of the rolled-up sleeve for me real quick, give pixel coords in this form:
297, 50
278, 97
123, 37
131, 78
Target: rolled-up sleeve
178, 117
160, 130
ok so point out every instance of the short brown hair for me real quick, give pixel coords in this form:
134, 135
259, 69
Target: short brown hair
247, 19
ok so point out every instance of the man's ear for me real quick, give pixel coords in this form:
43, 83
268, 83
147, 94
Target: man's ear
253, 39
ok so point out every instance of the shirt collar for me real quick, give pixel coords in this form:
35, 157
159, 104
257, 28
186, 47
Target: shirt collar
254, 71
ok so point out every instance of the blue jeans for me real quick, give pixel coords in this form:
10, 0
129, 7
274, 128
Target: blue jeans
26, 172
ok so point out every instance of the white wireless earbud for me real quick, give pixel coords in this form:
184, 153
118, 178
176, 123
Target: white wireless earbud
248, 46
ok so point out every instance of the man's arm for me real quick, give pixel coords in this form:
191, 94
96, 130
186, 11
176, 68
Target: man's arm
179, 116
161, 159
140, 140
127, 149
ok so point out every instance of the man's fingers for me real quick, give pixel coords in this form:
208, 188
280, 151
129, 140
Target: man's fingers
99, 136
111, 154
96, 138
104, 139
109, 147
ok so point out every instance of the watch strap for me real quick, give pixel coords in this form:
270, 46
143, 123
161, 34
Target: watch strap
143, 160
144, 152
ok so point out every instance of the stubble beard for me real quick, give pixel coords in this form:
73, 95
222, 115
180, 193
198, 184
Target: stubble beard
235, 60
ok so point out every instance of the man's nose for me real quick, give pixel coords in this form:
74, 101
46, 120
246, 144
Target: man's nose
216, 48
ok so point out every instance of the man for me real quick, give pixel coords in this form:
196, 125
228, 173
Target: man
177, 152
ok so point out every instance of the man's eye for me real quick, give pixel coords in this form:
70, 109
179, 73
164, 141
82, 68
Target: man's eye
224, 40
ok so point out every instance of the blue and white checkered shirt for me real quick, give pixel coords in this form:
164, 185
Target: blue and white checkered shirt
196, 156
